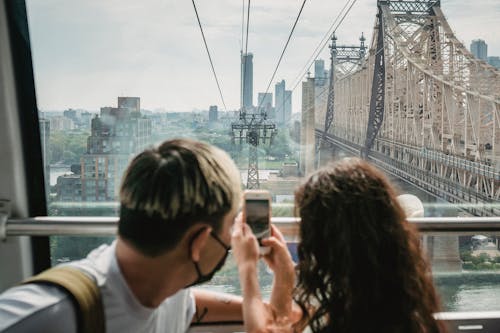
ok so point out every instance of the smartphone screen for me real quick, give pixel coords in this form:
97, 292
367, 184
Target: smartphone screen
257, 217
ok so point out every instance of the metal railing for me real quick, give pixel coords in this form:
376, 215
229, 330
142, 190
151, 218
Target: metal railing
107, 226
489, 321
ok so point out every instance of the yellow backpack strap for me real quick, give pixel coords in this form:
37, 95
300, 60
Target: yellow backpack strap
85, 292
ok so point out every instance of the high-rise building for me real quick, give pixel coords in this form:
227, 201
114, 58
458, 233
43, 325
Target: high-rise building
280, 101
116, 136
265, 100
72, 114
494, 61
283, 103
307, 140
320, 75
213, 113
479, 49
279, 98
319, 68
61, 123
44, 136
69, 188
287, 114
86, 120
131, 103
265, 103
80, 118
247, 80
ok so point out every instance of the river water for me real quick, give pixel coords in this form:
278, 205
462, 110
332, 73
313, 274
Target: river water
466, 291
459, 291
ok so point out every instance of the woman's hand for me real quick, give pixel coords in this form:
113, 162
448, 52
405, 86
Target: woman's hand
244, 244
279, 259
258, 316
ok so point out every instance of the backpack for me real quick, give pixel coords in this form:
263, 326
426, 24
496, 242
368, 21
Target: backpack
84, 292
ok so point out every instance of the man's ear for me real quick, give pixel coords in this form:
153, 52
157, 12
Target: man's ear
198, 242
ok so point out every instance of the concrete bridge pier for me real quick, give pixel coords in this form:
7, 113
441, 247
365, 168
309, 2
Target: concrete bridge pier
443, 253
326, 154
307, 139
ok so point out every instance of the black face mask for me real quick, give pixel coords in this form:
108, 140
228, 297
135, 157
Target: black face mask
207, 277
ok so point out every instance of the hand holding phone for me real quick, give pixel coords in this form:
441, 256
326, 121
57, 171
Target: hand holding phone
257, 214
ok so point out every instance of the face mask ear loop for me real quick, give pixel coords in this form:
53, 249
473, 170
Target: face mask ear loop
206, 277
196, 234
214, 235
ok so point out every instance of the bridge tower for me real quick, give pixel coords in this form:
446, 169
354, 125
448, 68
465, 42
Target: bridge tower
307, 126
344, 59
422, 108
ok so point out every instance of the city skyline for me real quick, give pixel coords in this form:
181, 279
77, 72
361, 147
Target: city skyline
159, 55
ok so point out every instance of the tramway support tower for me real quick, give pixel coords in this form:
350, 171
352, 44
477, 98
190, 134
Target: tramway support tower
421, 107
255, 129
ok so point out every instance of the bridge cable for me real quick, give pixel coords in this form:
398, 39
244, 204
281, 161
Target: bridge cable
282, 53
209, 56
326, 36
330, 34
325, 42
404, 30
325, 90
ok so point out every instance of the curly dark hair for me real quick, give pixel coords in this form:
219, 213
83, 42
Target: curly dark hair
360, 267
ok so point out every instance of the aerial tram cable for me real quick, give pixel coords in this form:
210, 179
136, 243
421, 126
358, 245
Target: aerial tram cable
324, 42
325, 37
209, 56
283, 52
329, 34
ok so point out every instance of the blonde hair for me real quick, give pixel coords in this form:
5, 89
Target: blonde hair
167, 189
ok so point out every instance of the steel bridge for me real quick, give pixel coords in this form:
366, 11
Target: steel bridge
418, 104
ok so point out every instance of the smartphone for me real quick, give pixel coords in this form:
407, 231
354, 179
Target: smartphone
257, 214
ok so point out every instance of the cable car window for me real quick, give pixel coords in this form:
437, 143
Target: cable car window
284, 90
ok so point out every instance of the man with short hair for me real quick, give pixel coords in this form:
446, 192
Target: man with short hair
177, 205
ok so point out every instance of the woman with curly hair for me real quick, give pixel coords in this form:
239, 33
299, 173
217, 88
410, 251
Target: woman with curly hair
360, 264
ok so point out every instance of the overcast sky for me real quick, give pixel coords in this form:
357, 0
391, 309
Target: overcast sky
86, 53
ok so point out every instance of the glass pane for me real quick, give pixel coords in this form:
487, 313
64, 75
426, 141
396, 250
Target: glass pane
69, 248
466, 270
113, 77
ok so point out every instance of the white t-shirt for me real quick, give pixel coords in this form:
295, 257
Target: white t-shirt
46, 308
123, 311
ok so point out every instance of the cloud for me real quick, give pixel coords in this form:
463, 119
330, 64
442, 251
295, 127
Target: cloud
88, 52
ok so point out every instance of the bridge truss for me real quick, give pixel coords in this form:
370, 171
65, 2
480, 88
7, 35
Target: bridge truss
343, 61
423, 108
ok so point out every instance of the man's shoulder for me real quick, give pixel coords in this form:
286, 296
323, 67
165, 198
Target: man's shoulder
97, 263
46, 307
36, 307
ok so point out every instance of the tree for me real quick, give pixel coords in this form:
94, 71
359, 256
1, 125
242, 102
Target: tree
67, 147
